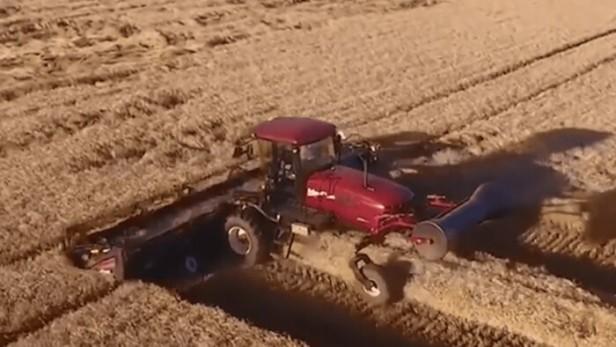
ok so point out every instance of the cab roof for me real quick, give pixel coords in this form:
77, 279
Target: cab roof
294, 130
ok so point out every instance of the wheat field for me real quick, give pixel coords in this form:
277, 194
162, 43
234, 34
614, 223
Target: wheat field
108, 108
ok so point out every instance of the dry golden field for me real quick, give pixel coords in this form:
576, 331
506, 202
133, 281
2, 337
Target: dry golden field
106, 106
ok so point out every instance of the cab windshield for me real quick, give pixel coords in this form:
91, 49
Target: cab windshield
318, 154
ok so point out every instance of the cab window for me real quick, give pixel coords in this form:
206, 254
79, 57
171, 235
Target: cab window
318, 154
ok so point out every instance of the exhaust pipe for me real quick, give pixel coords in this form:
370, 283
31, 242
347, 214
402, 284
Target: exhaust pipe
434, 238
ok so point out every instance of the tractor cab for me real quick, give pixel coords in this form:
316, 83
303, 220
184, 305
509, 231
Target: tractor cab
290, 149
307, 173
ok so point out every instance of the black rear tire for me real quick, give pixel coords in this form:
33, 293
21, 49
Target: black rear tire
378, 293
247, 238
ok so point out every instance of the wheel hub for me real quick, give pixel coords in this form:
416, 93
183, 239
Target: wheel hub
373, 290
191, 264
241, 241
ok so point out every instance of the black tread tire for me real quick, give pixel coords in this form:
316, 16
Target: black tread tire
259, 245
374, 274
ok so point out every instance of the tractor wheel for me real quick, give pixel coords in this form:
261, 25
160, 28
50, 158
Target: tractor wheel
246, 238
378, 293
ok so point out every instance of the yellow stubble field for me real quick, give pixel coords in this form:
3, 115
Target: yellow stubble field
107, 105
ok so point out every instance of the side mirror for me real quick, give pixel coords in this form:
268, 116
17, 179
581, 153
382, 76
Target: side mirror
374, 148
340, 135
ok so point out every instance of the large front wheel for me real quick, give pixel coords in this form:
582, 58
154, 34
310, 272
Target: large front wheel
247, 239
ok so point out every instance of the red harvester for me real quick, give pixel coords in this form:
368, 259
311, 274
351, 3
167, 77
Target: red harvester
309, 179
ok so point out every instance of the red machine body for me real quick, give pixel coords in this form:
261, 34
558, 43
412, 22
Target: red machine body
354, 196
341, 191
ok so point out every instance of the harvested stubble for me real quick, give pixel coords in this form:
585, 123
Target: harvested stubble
33, 292
585, 103
302, 300
167, 109
482, 103
523, 300
98, 41
138, 314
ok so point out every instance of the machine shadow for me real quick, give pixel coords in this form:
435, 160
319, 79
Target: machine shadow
243, 294
529, 182
396, 272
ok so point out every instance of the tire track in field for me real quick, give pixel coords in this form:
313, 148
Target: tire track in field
587, 168
70, 14
558, 237
124, 62
300, 294
585, 70
492, 99
25, 30
21, 133
129, 50
35, 292
151, 315
503, 72
25, 21
562, 253
57, 312
149, 107
122, 291
556, 311
216, 31
7, 11
59, 98
13, 93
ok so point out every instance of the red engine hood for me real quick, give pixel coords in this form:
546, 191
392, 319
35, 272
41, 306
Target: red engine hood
349, 182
